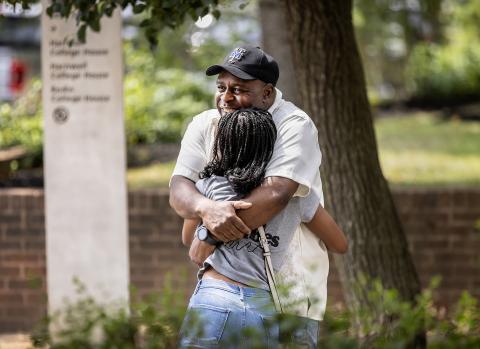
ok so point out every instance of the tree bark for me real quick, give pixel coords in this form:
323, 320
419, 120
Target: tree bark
332, 88
275, 41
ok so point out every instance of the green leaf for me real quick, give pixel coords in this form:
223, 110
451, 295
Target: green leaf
81, 33
145, 23
109, 10
139, 8
216, 13
95, 24
243, 5
204, 12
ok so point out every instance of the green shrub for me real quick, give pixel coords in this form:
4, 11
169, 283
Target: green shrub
383, 321
21, 123
449, 71
158, 103
158, 106
438, 73
152, 322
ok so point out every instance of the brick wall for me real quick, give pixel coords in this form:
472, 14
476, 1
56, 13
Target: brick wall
439, 226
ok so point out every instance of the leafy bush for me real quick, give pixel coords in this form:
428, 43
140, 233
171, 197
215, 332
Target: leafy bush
158, 105
438, 74
449, 71
150, 323
383, 322
21, 124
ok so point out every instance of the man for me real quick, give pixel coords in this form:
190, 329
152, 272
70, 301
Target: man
247, 78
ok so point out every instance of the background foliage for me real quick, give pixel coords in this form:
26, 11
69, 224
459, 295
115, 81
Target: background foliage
425, 50
155, 323
164, 86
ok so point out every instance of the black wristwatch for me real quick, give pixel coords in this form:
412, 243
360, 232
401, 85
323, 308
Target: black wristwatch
204, 235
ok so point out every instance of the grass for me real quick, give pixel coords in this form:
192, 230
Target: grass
424, 150
418, 150
152, 176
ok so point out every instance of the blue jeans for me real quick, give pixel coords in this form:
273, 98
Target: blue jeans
223, 315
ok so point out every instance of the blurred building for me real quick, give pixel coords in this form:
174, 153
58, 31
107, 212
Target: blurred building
19, 48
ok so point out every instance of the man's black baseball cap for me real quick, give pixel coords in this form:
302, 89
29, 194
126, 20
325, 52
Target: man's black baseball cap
248, 63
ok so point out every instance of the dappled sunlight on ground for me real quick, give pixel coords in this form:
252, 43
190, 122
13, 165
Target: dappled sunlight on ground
15, 341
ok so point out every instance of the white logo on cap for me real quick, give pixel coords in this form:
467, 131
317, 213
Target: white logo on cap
236, 55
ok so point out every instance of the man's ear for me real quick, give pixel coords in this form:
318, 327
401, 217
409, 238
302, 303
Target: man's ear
268, 91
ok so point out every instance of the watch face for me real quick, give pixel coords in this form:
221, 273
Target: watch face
202, 233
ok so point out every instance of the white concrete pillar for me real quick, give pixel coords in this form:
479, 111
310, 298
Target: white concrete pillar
84, 162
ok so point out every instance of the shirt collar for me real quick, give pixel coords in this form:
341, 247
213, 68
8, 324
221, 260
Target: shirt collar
276, 103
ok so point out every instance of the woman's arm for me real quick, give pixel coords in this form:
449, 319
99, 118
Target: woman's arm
325, 228
188, 230
199, 250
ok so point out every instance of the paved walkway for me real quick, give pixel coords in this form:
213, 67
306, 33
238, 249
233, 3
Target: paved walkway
14, 341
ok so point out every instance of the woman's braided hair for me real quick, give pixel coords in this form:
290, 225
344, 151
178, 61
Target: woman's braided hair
242, 148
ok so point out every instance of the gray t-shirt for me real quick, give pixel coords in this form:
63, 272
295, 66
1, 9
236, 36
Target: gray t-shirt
242, 260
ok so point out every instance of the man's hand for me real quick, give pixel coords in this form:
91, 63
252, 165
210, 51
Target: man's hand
220, 218
222, 221
199, 251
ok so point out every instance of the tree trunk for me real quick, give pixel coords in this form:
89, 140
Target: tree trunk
332, 88
275, 41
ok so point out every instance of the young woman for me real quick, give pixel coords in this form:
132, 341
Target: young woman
233, 294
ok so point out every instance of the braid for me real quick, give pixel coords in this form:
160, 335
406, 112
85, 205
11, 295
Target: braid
242, 148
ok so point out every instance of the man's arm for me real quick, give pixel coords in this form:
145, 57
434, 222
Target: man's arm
220, 217
267, 200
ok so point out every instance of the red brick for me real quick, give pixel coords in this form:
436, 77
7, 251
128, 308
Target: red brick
36, 231
460, 199
140, 232
35, 220
436, 224
13, 325
22, 312
9, 271
10, 246
35, 245
155, 202
35, 271
21, 257
474, 198
17, 203
142, 284
138, 257
436, 245
467, 218
36, 298
10, 218
36, 203
6, 299
464, 244
22, 284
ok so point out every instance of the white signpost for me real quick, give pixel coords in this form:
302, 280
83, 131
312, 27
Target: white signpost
84, 162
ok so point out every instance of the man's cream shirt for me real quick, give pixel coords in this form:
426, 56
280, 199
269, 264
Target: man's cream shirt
296, 156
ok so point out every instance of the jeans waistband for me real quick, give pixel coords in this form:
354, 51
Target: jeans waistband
223, 285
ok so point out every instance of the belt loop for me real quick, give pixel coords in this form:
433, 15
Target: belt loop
197, 287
